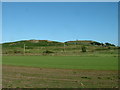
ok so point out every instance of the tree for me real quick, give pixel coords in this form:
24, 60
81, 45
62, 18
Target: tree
83, 49
109, 44
96, 43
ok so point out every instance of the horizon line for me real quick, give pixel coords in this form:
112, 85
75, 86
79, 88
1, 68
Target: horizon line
55, 40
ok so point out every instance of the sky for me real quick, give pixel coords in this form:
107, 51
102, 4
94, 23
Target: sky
60, 21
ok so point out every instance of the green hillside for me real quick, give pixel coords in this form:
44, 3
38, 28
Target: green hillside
46, 47
53, 43
31, 43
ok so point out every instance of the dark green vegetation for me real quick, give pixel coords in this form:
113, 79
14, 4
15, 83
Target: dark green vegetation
50, 64
65, 62
45, 47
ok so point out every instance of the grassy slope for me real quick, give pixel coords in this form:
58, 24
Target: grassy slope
66, 62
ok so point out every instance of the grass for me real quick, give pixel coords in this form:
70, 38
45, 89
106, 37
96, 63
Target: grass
69, 68
65, 62
29, 77
60, 72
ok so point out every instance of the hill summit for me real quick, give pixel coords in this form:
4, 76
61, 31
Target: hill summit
55, 43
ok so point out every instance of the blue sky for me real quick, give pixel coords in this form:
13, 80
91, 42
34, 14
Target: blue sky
60, 21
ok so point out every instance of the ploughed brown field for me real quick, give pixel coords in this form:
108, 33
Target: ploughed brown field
30, 77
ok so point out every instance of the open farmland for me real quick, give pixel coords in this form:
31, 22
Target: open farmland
66, 62
59, 72
30, 77
49, 64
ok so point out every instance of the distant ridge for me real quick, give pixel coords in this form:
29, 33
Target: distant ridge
54, 43
38, 41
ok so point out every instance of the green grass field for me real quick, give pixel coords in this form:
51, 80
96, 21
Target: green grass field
65, 62
60, 72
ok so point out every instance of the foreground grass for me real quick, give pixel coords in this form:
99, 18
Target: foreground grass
66, 62
29, 77
59, 72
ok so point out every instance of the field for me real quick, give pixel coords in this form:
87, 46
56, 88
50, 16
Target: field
50, 64
60, 72
66, 62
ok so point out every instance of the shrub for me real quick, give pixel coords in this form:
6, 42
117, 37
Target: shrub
109, 47
96, 43
47, 51
16, 51
109, 44
83, 49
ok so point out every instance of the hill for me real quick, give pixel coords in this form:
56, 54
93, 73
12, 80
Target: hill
31, 43
44, 47
53, 43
